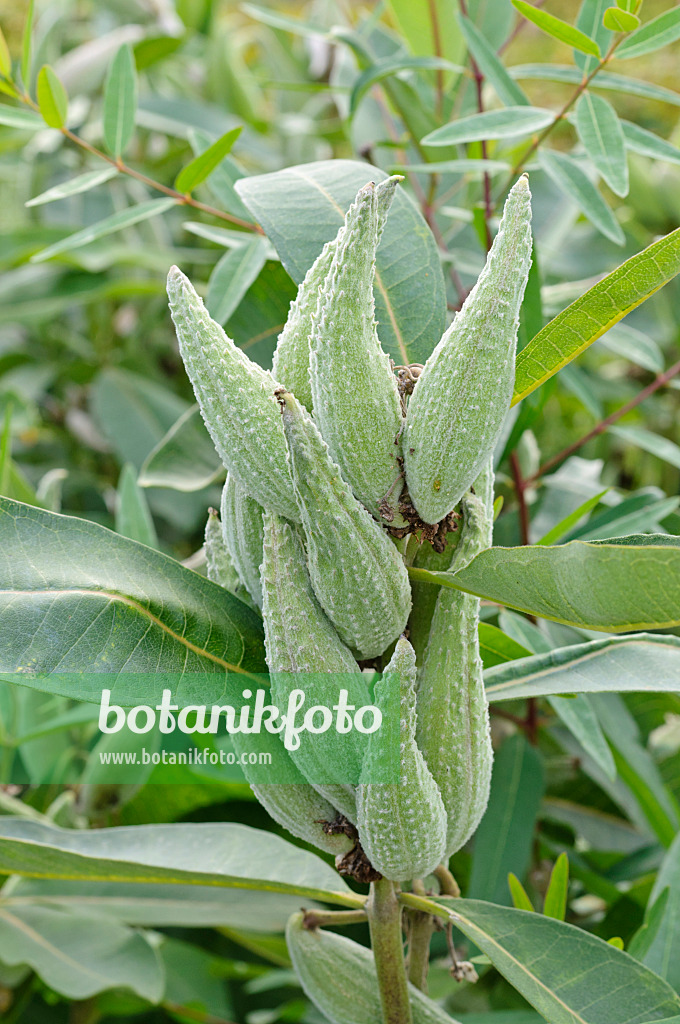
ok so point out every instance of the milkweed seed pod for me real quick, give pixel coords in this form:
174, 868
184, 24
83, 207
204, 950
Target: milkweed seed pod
291, 358
339, 977
242, 528
456, 412
356, 398
236, 397
295, 805
453, 715
304, 652
402, 826
357, 574
219, 564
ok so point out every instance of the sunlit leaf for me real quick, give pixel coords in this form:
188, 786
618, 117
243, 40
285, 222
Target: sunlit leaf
555, 904
81, 183
508, 123
490, 66
557, 28
52, 98
202, 166
661, 31
620, 21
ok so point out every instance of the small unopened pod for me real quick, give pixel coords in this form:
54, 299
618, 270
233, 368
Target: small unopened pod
305, 653
356, 399
358, 575
456, 412
242, 529
453, 715
339, 977
236, 398
402, 825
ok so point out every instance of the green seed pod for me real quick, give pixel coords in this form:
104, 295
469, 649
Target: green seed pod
304, 652
356, 399
220, 566
236, 397
242, 530
456, 412
453, 715
339, 977
402, 826
357, 573
291, 358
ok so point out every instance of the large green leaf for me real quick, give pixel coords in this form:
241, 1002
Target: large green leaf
70, 586
626, 664
590, 316
301, 208
568, 174
508, 123
185, 458
611, 586
569, 975
79, 955
213, 854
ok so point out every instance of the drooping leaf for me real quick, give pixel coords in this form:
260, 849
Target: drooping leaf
108, 226
626, 664
570, 177
664, 449
565, 525
205, 854
202, 166
557, 28
491, 67
14, 117
508, 123
383, 69
81, 183
579, 716
648, 144
409, 288
52, 98
661, 31
606, 80
591, 315
120, 102
184, 459
600, 132
232, 277
133, 518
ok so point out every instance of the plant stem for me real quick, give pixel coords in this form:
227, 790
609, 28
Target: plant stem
326, 918
420, 933
448, 886
384, 918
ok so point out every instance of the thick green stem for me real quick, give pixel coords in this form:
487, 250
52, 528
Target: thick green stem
420, 934
384, 918
326, 918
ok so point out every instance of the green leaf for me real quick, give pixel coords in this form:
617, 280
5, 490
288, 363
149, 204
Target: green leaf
663, 952
557, 28
26, 45
52, 98
659, 32
520, 900
391, 66
5, 57
590, 20
568, 175
607, 586
184, 459
601, 133
620, 21
565, 525
431, 29
108, 226
508, 123
222, 855
646, 662
591, 315
490, 66
604, 80
497, 647
639, 348
471, 166
409, 287
81, 183
579, 716
555, 904
504, 839
650, 442
232, 277
79, 955
133, 518
14, 117
648, 144
68, 583
202, 166
120, 102
566, 973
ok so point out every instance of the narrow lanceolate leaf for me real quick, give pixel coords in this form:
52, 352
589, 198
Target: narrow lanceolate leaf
659, 32
508, 123
14, 117
610, 586
604, 80
555, 904
662, 953
184, 459
223, 855
108, 226
66, 585
5, 57
459, 404
568, 175
354, 391
402, 825
232, 277
202, 166
662, 447
356, 571
120, 102
491, 67
81, 183
620, 21
237, 401
569, 975
557, 28
600, 132
648, 144
52, 98
625, 664
591, 315
133, 518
